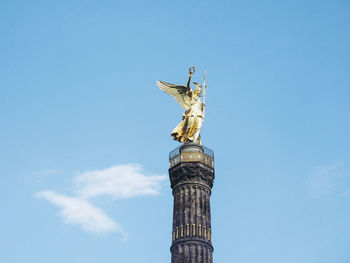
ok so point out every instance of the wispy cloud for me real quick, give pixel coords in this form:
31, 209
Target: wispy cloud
328, 180
120, 181
80, 212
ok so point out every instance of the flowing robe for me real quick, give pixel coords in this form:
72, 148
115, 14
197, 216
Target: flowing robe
188, 130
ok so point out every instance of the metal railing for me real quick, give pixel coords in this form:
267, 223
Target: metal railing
208, 152
174, 152
206, 157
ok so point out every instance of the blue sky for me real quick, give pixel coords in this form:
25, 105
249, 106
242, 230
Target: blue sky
85, 130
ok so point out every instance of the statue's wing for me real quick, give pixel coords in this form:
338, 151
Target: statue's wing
179, 93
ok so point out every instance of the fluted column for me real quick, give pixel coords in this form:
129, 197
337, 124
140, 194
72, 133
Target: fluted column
191, 182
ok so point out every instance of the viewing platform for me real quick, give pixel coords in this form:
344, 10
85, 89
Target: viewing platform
191, 152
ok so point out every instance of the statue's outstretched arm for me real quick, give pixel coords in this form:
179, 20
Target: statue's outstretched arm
191, 71
189, 82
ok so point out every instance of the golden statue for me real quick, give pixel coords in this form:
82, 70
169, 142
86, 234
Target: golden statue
188, 130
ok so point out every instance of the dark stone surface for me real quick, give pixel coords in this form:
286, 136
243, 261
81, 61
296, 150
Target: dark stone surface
195, 172
191, 183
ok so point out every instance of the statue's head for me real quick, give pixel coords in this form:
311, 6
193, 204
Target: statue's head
198, 90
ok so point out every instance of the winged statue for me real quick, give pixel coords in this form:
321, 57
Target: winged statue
188, 130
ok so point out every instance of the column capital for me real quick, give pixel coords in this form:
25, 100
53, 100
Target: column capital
191, 173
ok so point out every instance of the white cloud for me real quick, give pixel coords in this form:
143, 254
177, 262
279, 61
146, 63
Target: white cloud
120, 181
80, 212
333, 179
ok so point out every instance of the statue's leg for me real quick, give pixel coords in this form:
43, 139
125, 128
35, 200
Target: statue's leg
196, 135
196, 138
188, 128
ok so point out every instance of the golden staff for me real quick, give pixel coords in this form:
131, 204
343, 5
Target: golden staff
204, 92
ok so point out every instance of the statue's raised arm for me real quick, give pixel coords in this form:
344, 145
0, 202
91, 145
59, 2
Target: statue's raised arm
188, 130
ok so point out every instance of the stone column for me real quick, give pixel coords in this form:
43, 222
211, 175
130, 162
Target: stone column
192, 175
